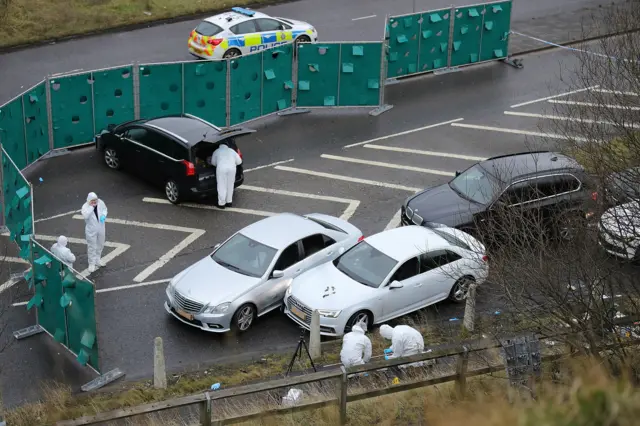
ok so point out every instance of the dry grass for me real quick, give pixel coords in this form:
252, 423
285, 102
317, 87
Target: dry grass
27, 21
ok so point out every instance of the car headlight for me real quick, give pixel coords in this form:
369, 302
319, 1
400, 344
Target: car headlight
288, 291
328, 313
220, 309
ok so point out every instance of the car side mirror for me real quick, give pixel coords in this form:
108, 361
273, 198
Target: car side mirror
277, 274
341, 250
395, 284
458, 173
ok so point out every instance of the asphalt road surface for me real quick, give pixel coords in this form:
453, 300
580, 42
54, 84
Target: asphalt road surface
300, 164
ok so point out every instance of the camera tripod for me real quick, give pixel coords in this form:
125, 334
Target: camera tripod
298, 353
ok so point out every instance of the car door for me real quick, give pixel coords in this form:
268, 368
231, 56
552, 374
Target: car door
317, 249
246, 35
136, 140
271, 31
161, 163
272, 291
399, 301
439, 270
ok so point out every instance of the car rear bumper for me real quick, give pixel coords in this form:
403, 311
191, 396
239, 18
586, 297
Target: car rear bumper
201, 52
212, 189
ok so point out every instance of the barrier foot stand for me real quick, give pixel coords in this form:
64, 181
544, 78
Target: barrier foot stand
28, 332
516, 63
293, 111
447, 70
379, 110
103, 380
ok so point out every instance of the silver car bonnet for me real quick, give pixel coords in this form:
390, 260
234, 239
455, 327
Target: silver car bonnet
209, 283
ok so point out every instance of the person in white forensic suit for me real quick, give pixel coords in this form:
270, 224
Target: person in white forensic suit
62, 252
225, 160
405, 341
356, 346
94, 212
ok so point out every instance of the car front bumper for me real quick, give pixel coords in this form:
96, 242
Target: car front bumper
213, 323
615, 247
330, 327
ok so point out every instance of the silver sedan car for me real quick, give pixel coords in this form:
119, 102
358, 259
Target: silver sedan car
247, 276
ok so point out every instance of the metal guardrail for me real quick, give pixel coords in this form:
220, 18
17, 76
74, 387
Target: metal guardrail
340, 375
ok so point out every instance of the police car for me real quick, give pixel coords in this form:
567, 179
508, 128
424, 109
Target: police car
243, 31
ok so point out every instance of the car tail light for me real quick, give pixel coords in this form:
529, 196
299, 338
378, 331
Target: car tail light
214, 41
361, 238
239, 152
594, 196
485, 258
191, 169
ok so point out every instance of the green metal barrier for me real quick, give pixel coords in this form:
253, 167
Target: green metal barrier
205, 90
467, 34
12, 134
113, 98
403, 33
496, 26
36, 121
318, 71
435, 31
360, 74
72, 109
161, 89
18, 204
246, 88
277, 79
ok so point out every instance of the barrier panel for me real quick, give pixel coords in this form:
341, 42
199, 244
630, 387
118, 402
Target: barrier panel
161, 89
113, 97
36, 121
18, 204
72, 109
339, 74
496, 27
277, 79
205, 91
12, 134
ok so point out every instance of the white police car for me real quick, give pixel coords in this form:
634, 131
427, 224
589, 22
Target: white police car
243, 31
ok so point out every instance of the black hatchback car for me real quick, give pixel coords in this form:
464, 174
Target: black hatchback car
542, 182
171, 152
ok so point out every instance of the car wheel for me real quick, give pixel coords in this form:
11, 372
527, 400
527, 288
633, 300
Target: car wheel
460, 289
568, 226
303, 39
243, 318
111, 158
231, 53
172, 192
360, 316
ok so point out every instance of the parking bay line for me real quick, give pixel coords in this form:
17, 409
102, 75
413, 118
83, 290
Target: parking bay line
561, 117
421, 152
387, 165
518, 132
208, 207
591, 104
347, 178
555, 96
268, 165
194, 234
12, 281
394, 222
406, 132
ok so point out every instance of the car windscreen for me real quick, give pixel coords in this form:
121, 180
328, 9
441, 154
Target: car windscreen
475, 184
245, 256
365, 264
207, 29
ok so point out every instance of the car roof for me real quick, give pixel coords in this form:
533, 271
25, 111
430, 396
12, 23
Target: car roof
407, 241
281, 230
187, 128
511, 167
227, 20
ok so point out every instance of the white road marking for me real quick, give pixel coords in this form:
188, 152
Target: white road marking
421, 152
387, 165
347, 178
352, 205
518, 132
554, 96
394, 222
561, 117
14, 260
208, 207
407, 132
364, 17
268, 165
19, 304
616, 92
591, 104
164, 259
9, 283
12, 281
57, 216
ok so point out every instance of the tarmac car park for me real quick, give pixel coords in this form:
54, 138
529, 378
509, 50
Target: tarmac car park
244, 31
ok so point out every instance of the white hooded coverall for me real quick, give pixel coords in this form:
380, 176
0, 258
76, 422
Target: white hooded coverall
62, 252
405, 340
225, 160
356, 347
94, 230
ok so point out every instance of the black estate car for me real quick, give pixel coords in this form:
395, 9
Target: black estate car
171, 151
543, 182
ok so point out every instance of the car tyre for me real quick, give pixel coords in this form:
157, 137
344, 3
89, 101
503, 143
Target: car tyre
568, 225
231, 53
111, 158
172, 192
243, 318
303, 39
458, 293
356, 318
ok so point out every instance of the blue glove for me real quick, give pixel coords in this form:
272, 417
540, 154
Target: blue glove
388, 351
387, 357
215, 386
103, 218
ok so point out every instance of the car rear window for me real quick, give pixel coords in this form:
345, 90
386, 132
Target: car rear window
326, 225
208, 29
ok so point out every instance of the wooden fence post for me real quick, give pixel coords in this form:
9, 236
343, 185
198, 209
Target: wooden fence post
205, 411
461, 371
343, 396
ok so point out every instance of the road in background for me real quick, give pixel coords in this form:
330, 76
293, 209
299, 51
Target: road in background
336, 20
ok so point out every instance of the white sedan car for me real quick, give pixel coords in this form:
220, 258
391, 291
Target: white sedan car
619, 231
388, 275
244, 31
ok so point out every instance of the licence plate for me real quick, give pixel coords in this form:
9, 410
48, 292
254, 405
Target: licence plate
184, 315
297, 312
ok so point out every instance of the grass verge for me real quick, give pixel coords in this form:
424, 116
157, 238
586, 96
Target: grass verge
29, 21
